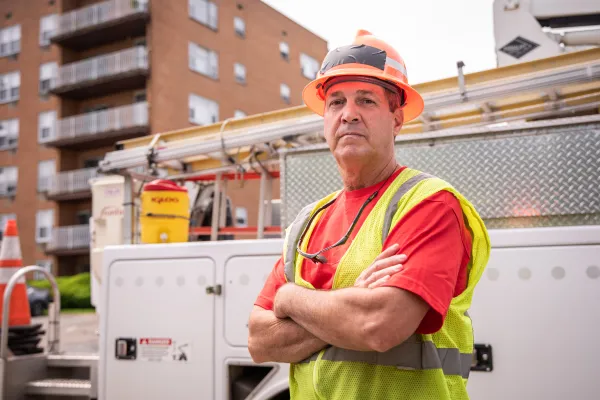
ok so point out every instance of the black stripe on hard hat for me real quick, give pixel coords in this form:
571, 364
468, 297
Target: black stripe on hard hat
355, 54
360, 54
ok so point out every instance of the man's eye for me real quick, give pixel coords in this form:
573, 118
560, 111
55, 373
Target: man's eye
335, 103
368, 101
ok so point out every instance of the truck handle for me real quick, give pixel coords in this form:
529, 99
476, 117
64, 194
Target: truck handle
53, 322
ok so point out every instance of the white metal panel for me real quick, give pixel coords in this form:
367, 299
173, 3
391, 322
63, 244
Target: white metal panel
548, 236
511, 23
538, 309
244, 278
563, 8
160, 298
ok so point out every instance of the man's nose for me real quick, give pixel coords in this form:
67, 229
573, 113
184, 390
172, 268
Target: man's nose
350, 113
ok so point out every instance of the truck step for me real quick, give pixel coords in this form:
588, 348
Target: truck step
60, 387
72, 360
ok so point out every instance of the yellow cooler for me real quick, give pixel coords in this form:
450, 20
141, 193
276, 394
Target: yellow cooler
165, 216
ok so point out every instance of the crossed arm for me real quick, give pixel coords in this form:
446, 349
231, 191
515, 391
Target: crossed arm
365, 317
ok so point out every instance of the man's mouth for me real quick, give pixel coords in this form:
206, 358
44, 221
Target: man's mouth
351, 134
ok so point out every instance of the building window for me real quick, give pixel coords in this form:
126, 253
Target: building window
3, 220
44, 222
10, 40
239, 70
284, 50
309, 66
48, 25
139, 97
284, 91
46, 173
141, 41
9, 87
202, 110
92, 162
203, 60
47, 265
9, 134
240, 26
48, 72
95, 108
205, 12
8, 181
239, 114
46, 126
83, 217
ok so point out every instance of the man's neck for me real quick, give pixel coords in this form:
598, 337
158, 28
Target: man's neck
360, 178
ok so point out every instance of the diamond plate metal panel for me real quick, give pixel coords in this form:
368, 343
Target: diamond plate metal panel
306, 178
542, 177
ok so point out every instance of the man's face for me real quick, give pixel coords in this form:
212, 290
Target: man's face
359, 126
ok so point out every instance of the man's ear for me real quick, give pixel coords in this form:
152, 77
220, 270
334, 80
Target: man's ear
398, 120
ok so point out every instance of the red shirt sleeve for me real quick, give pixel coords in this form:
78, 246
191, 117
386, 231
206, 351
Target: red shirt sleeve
275, 280
434, 238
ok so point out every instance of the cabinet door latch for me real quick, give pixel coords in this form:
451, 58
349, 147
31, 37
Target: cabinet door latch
214, 290
482, 358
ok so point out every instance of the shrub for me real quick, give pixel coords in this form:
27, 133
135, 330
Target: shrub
74, 290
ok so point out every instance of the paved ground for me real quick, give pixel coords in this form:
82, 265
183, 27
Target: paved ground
78, 332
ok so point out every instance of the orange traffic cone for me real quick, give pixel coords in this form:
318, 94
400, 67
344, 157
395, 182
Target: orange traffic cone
10, 262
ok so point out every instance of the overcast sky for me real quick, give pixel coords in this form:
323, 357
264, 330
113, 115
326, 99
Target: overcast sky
431, 35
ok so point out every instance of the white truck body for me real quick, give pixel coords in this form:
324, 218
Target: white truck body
535, 311
536, 306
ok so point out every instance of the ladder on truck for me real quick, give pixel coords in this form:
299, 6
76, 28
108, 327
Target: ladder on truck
249, 147
51, 373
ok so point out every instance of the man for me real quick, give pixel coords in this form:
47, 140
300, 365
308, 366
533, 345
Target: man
382, 312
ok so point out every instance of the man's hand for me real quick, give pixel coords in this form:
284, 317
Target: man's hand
385, 265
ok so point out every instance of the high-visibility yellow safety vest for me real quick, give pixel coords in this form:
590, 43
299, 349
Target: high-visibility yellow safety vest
424, 367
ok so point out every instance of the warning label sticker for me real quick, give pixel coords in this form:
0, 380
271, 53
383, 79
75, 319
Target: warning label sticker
164, 350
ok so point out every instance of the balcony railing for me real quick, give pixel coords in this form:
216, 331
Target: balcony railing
68, 238
99, 122
98, 14
101, 67
70, 182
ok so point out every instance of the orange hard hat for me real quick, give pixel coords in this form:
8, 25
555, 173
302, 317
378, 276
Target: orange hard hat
368, 59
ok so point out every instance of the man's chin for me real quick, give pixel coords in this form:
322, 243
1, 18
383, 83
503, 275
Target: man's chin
353, 154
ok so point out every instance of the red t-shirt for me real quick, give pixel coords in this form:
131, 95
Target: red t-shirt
432, 235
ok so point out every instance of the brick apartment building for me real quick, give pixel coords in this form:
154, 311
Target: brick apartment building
77, 75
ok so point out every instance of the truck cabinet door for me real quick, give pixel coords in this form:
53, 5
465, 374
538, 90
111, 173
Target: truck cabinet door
245, 276
538, 309
159, 339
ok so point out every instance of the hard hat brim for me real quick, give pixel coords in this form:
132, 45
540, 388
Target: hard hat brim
414, 102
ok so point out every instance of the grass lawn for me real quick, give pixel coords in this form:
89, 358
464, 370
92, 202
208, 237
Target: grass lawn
78, 311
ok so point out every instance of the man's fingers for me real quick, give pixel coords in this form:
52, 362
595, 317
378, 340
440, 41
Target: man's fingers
375, 276
381, 264
390, 251
387, 262
379, 282
387, 258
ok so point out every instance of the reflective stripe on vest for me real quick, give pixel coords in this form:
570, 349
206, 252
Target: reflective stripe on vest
294, 237
393, 207
412, 354
303, 217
